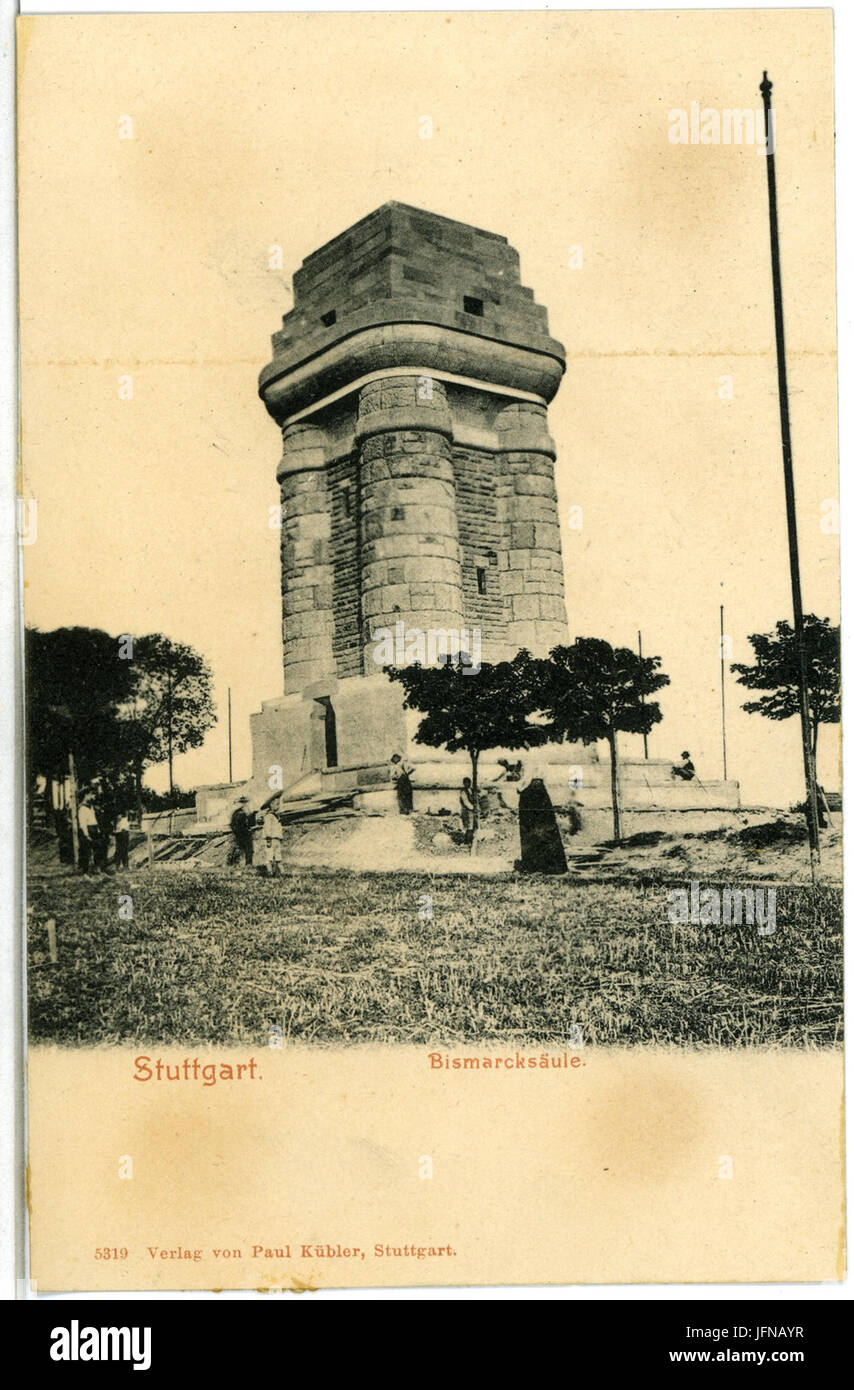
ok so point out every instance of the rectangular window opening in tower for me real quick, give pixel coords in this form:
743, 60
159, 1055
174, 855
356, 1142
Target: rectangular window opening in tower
328, 319
473, 305
481, 580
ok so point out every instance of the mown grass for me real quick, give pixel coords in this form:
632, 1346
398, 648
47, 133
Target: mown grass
346, 958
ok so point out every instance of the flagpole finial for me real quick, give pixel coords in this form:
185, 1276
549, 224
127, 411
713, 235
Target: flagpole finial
765, 88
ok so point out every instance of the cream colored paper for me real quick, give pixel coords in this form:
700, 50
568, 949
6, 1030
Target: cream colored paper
148, 257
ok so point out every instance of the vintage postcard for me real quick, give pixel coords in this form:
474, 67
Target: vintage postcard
429, 528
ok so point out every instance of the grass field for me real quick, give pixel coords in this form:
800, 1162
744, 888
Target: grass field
220, 958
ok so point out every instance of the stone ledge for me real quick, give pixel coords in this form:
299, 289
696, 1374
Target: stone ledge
399, 333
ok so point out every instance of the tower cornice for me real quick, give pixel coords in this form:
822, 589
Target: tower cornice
408, 288
383, 337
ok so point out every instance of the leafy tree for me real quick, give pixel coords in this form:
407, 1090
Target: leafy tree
473, 710
171, 707
76, 685
117, 708
776, 669
593, 691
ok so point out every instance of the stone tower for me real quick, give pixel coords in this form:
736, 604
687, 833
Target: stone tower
411, 382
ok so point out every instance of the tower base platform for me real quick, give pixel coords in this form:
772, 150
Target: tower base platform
340, 739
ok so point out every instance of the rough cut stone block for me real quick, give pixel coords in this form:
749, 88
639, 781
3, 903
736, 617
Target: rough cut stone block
552, 606
522, 533
314, 623
525, 606
315, 526
536, 483
404, 544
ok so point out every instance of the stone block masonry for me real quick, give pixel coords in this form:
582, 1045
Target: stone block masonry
410, 555
411, 382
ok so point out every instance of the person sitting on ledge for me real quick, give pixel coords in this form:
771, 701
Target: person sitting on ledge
510, 772
684, 770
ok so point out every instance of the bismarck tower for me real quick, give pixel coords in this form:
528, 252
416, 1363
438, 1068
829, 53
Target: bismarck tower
410, 382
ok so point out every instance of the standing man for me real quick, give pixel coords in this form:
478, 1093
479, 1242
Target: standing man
104, 806
65, 839
122, 840
401, 776
467, 810
87, 825
575, 819
241, 829
272, 835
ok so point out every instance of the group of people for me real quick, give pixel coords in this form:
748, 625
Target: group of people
246, 825
486, 796
541, 846
98, 822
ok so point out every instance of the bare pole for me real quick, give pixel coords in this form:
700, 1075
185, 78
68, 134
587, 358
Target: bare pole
72, 797
230, 778
643, 697
723, 693
169, 729
789, 480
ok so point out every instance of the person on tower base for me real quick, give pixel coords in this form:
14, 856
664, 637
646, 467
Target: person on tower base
685, 770
401, 775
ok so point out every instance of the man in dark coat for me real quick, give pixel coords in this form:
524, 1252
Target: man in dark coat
241, 829
104, 804
122, 833
401, 776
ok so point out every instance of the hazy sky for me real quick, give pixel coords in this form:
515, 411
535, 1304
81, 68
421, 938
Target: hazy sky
149, 257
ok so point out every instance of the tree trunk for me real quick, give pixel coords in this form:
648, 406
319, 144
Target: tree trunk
615, 786
815, 723
137, 785
72, 796
476, 811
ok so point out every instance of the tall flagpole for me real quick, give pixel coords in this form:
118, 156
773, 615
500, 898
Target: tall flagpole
230, 778
723, 693
789, 480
